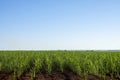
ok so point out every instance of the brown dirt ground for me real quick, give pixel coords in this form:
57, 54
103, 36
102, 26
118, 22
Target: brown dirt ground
54, 76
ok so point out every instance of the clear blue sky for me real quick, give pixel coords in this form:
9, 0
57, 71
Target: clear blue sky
59, 24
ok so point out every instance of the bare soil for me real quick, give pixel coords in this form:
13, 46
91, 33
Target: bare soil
54, 76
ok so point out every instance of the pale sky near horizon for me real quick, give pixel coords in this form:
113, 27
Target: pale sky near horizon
59, 24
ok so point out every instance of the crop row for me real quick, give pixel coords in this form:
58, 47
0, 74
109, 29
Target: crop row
79, 62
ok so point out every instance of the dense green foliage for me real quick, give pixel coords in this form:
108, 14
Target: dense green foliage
80, 62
